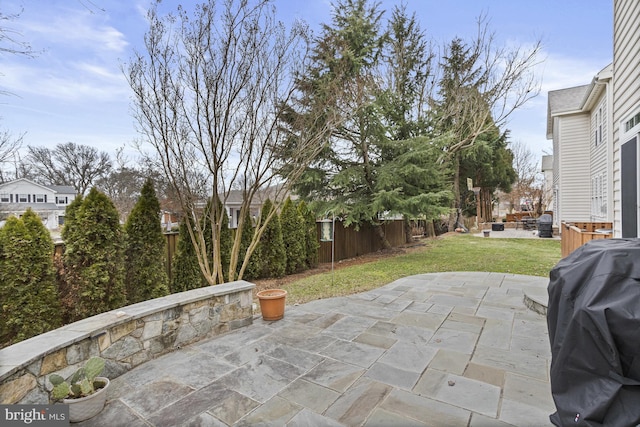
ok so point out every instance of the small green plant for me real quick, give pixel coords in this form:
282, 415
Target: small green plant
81, 384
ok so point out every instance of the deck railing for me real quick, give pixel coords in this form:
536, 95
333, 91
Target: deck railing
576, 234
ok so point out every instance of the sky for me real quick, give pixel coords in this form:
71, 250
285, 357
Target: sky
74, 89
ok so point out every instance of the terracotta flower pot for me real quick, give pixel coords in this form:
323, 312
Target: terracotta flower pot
272, 303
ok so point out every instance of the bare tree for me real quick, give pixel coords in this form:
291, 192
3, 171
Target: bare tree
208, 96
9, 146
480, 86
527, 189
10, 39
10, 43
69, 164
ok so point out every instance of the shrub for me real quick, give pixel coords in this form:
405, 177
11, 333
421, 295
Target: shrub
293, 235
186, 270
225, 237
145, 254
311, 235
274, 257
28, 293
94, 258
226, 241
70, 217
254, 264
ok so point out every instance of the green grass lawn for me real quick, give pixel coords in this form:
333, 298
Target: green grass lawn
458, 252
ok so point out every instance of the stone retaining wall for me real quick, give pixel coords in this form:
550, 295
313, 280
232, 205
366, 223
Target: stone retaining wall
125, 338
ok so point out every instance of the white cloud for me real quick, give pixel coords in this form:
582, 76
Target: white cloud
79, 60
77, 30
75, 81
529, 123
560, 71
105, 73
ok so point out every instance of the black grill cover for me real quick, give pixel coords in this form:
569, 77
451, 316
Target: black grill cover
594, 329
545, 226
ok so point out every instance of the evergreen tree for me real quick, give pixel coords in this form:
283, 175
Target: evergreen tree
94, 258
489, 162
30, 304
274, 257
226, 241
479, 87
311, 235
460, 105
145, 255
254, 263
186, 271
408, 59
67, 294
70, 216
187, 274
385, 75
293, 235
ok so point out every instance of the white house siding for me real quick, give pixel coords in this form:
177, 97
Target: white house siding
599, 161
556, 174
626, 83
547, 191
574, 201
49, 202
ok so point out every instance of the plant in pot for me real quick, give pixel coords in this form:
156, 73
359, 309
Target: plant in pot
85, 391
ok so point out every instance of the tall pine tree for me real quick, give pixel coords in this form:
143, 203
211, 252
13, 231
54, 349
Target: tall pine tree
145, 255
254, 263
310, 235
274, 256
94, 258
348, 54
186, 271
294, 237
30, 304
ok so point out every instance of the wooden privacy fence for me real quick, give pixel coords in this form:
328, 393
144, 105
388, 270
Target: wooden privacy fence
576, 234
350, 243
172, 244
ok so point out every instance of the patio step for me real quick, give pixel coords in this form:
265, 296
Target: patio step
537, 301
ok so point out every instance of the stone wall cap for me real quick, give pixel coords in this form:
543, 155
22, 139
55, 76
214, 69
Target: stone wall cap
20, 355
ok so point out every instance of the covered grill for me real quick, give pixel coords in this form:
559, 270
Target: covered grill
545, 226
594, 330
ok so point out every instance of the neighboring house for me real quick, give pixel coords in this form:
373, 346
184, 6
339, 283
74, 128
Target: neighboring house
612, 103
547, 184
626, 117
169, 220
578, 122
234, 200
48, 201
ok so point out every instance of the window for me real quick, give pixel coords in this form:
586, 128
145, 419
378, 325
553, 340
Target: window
40, 198
61, 200
598, 197
595, 133
601, 119
4, 198
23, 198
598, 127
632, 122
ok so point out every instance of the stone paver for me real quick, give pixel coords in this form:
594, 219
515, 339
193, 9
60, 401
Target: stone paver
441, 349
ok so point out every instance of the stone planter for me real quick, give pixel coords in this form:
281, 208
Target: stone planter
88, 407
272, 303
